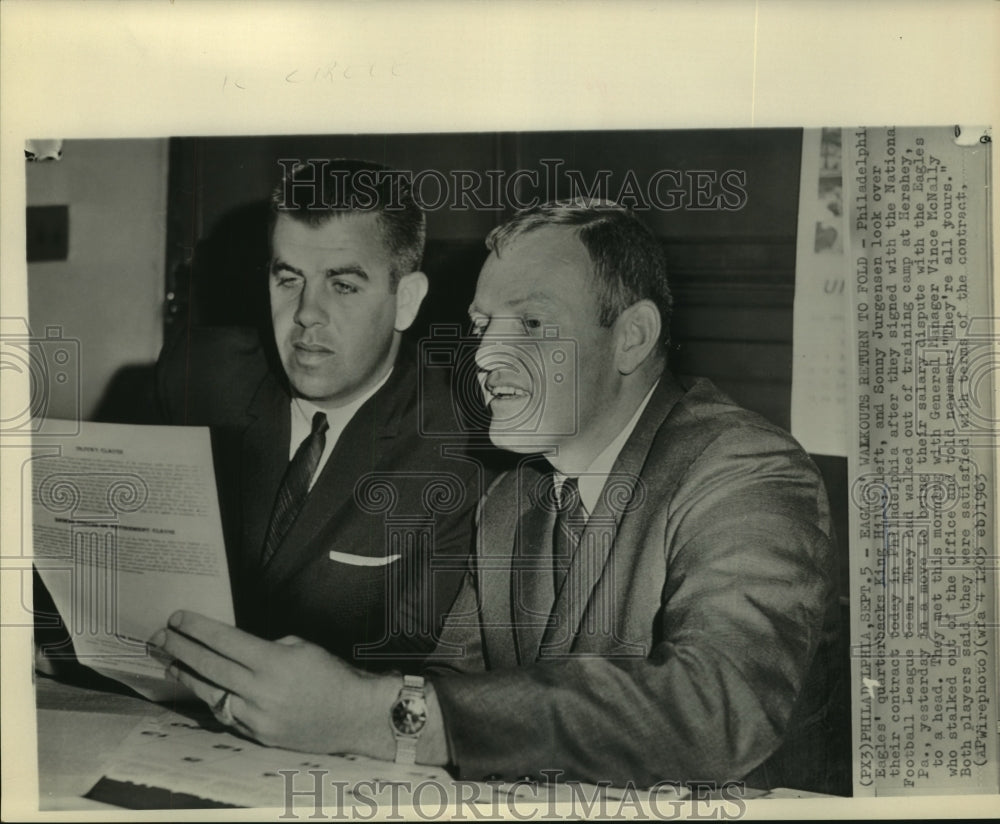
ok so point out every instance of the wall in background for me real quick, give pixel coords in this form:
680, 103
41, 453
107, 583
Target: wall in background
108, 292
732, 270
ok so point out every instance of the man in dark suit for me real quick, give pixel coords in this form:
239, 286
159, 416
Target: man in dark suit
652, 596
361, 550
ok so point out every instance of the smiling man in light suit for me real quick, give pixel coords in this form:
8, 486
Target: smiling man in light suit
652, 596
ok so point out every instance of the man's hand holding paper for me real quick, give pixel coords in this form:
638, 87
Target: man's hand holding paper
287, 693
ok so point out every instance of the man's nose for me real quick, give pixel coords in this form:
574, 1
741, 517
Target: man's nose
311, 310
484, 352
498, 345
489, 342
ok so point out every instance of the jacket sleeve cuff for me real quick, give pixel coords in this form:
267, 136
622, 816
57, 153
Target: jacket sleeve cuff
476, 726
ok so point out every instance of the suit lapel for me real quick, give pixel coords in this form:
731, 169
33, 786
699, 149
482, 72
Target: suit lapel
532, 592
622, 493
265, 458
505, 521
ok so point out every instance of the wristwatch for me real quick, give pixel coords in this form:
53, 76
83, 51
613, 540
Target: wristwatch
408, 716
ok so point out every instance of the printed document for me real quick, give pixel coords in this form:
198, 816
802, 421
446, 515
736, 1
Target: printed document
126, 530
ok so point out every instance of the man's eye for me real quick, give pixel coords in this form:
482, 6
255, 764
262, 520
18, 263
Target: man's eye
344, 288
531, 324
286, 281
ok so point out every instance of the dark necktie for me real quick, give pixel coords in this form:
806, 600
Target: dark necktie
570, 521
295, 485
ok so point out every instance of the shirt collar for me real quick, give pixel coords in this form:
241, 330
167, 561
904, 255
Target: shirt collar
596, 475
303, 411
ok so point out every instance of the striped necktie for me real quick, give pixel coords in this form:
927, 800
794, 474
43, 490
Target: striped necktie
571, 517
295, 485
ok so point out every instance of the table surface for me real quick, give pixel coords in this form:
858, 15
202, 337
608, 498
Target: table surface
81, 728
78, 730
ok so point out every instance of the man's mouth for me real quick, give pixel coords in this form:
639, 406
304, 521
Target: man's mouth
307, 353
311, 347
506, 392
497, 390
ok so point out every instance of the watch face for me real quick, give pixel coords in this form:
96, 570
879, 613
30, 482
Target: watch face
409, 715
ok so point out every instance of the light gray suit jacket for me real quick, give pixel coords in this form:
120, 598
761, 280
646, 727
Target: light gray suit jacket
692, 639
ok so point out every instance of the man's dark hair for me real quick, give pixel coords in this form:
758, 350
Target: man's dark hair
321, 189
629, 262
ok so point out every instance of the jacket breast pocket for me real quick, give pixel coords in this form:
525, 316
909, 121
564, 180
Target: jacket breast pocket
363, 560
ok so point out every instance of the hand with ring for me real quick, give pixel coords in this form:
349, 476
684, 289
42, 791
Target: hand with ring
287, 693
222, 711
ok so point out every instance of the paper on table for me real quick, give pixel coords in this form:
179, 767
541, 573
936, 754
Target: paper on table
173, 752
177, 753
126, 530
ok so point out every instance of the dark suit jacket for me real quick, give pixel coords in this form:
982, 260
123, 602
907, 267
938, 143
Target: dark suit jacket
385, 491
691, 640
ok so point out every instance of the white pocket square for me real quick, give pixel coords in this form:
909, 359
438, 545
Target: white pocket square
362, 560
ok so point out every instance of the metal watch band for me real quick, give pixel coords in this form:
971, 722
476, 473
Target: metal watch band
414, 683
406, 749
406, 744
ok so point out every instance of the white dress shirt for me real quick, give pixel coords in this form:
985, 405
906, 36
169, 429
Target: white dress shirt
302, 415
593, 479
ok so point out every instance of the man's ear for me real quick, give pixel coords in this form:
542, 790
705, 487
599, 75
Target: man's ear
637, 334
410, 292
